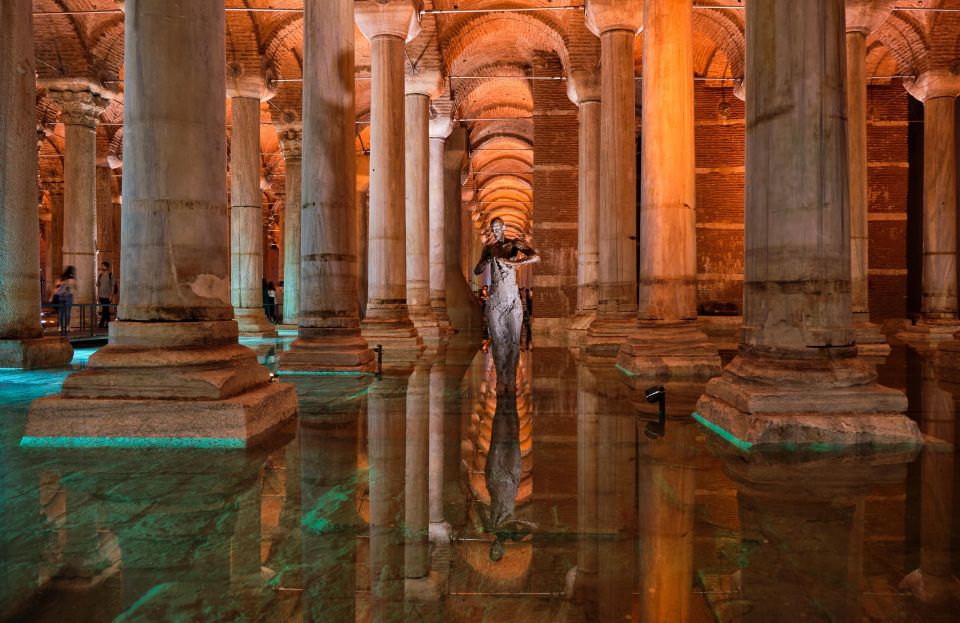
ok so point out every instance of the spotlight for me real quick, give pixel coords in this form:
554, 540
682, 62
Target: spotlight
655, 394
274, 377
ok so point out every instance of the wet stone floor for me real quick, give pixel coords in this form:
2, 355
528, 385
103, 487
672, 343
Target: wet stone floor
423, 497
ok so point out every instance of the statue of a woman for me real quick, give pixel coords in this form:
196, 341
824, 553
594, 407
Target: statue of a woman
504, 311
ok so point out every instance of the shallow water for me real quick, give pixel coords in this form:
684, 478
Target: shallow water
571, 503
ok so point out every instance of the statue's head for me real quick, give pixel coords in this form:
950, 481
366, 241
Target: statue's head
497, 228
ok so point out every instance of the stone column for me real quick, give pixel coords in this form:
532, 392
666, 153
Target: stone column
440, 129
246, 212
667, 342
80, 108
329, 315
583, 88
862, 18
420, 87
290, 142
462, 305
616, 22
173, 368
938, 90
387, 26
21, 338
798, 377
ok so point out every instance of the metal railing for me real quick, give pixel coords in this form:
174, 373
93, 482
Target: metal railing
84, 319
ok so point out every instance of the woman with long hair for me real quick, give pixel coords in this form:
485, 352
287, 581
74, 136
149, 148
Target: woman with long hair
64, 296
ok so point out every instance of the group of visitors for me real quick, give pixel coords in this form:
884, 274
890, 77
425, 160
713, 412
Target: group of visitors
66, 287
273, 301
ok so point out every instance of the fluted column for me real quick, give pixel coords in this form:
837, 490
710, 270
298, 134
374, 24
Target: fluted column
440, 129
667, 342
420, 87
862, 18
329, 336
797, 330
388, 25
616, 22
583, 88
246, 211
80, 109
291, 143
173, 368
21, 338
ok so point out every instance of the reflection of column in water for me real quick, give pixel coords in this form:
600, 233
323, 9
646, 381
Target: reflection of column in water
582, 580
667, 482
616, 490
416, 489
329, 522
245, 546
386, 423
285, 554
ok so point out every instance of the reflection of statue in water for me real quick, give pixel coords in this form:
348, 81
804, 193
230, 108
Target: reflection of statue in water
502, 474
504, 311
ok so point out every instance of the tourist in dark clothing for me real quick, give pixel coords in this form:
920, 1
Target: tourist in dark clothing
63, 297
106, 287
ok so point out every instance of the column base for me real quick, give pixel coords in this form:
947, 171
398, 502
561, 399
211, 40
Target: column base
931, 589
443, 318
930, 331
328, 350
157, 382
606, 336
392, 329
823, 399
430, 589
287, 327
675, 350
871, 340
425, 321
252, 322
579, 326
948, 362
29, 354
582, 587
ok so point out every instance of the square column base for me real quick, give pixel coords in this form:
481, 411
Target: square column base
778, 402
322, 350
926, 332
29, 354
948, 362
605, 337
252, 322
398, 336
578, 328
661, 351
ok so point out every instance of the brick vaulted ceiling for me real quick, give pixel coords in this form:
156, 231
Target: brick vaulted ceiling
486, 57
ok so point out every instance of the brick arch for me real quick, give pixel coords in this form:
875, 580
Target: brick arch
722, 30
905, 36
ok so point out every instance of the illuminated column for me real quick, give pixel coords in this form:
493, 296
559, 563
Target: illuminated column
667, 342
387, 26
80, 109
173, 368
420, 87
329, 316
246, 211
862, 18
21, 339
797, 333
938, 90
440, 129
291, 141
583, 88
616, 22
416, 483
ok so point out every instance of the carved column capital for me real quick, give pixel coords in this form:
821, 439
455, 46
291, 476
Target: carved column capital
865, 16
258, 82
79, 107
441, 126
291, 142
583, 86
934, 83
427, 82
397, 18
608, 15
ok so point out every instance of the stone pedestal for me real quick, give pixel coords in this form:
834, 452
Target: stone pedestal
616, 22
668, 342
583, 88
798, 379
173, 368
22, 344
387, 322
329, 335
440, 129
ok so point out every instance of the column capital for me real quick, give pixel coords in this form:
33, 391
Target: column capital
607, 15
583, 86
82, 107
934, 83
291, 142
396, 18
865, 16
441, 127
256, 83
427, 82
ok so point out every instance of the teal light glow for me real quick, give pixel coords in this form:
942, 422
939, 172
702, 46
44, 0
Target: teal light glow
283, 373
209, 443
723, 433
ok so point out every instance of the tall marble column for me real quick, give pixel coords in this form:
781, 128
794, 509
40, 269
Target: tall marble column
421, 86
862, 18
938, 90
173, 368
22, 344
616, 22
80, 107
440, 129
667, 342
291, 143
583, 88
798, 377
388, 25
246, 212
329, 336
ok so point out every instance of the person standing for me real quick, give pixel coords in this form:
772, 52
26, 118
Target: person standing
106, 288
64, 296
271, 302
